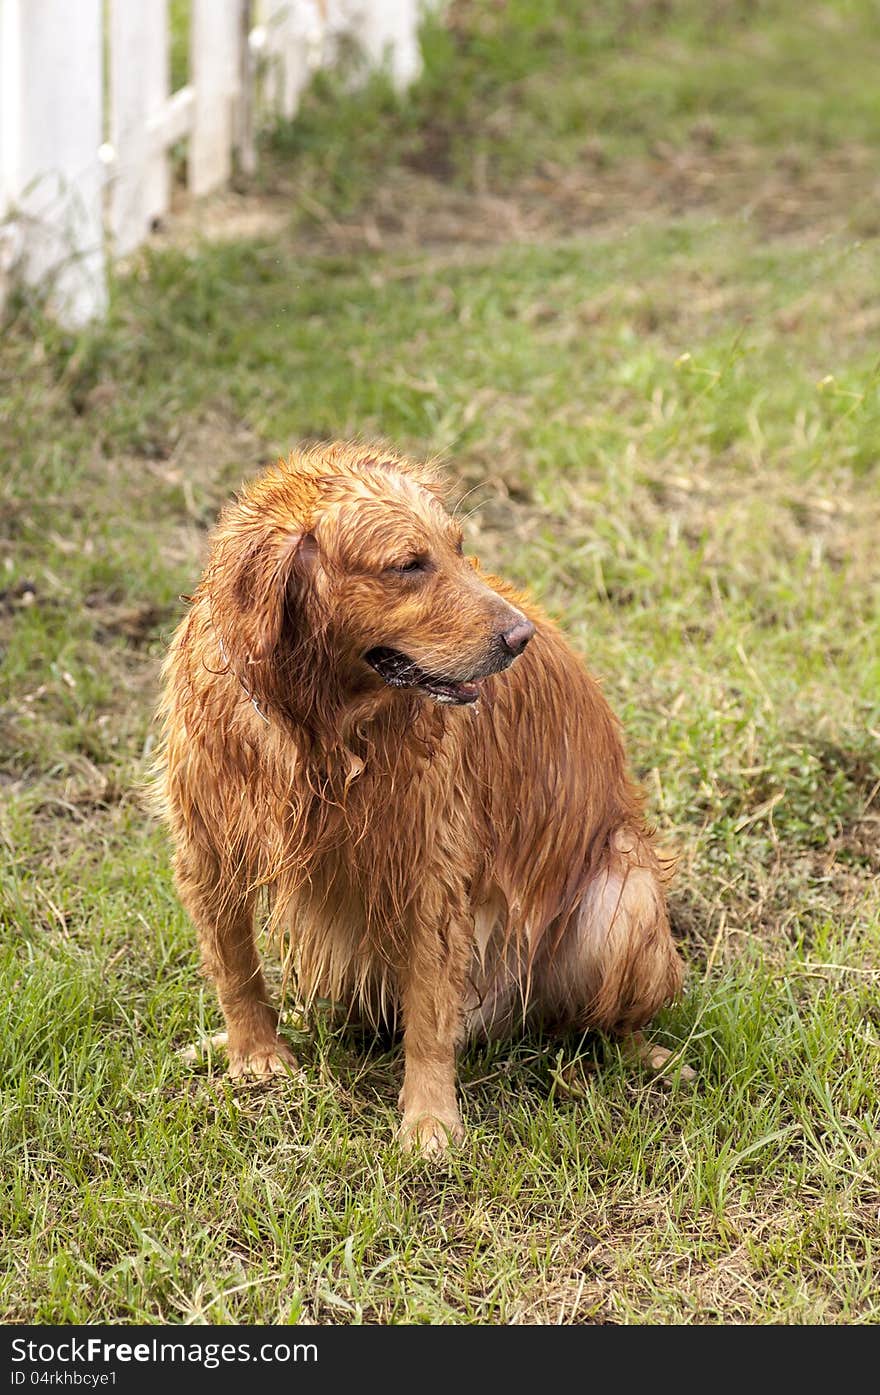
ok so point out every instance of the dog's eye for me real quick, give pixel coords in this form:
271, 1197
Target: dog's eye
415, 564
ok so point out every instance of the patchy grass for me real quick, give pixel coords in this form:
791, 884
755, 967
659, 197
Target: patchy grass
530, 88
666, 421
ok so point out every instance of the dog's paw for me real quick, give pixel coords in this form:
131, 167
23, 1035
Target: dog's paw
659, 1060
667, 1064
428, 1136
262, 1062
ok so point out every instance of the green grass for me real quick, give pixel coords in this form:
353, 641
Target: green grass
669, 425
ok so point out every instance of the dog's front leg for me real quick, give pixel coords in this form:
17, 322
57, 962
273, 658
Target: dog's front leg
432, 992
224, 917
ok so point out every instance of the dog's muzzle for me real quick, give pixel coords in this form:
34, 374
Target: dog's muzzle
398, 670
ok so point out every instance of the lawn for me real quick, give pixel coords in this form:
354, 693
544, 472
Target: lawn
618, 265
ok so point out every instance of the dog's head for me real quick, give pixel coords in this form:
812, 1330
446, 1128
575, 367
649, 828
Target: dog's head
342, 568
407, 601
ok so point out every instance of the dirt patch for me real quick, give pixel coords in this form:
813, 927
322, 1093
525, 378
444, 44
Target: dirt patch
860, 842
779, 196
134, 624
416, 207
227, 216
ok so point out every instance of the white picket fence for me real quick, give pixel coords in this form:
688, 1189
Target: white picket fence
88, 120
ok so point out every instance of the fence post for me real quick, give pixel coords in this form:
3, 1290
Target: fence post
215, 70
387, 32
294, 40
139, 82
51, 106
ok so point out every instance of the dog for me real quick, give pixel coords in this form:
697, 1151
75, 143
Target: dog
405, 763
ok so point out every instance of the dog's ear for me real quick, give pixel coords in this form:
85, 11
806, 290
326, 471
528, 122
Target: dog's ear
258, 591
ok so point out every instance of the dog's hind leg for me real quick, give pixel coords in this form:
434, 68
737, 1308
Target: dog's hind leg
225, 924
616, 964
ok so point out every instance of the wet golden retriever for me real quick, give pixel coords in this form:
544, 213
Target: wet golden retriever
405, 761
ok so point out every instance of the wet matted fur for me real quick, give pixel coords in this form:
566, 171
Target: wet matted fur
405, 760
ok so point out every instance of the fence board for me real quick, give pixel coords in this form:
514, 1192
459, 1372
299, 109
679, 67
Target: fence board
244, 122
387, 33
52, 106
139, 80
215, 71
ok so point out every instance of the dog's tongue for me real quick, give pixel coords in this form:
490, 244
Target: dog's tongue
467, 692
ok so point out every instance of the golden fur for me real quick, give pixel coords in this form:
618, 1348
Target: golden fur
464, 864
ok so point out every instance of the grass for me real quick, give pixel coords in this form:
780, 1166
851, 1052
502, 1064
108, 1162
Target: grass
668, 415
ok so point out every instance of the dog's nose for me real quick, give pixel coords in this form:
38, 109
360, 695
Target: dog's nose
516, 639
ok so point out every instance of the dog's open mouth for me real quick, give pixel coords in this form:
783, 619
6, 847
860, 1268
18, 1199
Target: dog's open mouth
399, 671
